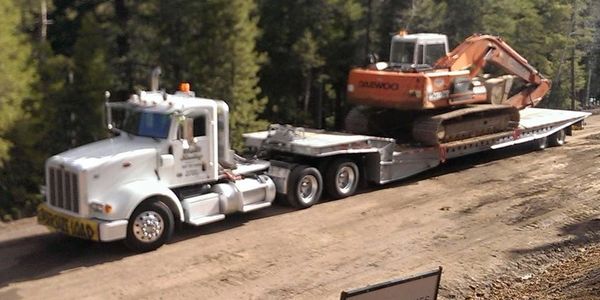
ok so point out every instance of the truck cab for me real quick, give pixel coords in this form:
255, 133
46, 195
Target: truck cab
169, 162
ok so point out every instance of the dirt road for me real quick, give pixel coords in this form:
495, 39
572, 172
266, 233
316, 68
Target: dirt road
490, 220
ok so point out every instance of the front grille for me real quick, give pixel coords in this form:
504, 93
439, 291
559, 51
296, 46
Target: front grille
63, 189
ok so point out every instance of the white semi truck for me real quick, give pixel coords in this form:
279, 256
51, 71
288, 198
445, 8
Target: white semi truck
171, 163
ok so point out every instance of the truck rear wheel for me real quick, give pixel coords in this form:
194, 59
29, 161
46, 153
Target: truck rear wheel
305, 186
150, 226
558, 138
341, 178
541, 143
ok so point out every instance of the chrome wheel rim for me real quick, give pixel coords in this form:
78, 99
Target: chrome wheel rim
148, 226
307, 188
345, 179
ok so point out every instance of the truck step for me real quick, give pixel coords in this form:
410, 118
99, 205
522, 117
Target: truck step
205, 220
255, 206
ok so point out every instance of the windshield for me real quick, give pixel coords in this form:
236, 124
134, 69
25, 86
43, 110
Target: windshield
144, 123
402, 52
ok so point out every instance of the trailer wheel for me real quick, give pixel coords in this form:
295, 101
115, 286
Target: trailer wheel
558, 138
150, 226
341, 178
305, 187
541, 143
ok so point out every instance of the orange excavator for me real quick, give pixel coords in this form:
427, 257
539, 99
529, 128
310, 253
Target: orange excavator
441, 96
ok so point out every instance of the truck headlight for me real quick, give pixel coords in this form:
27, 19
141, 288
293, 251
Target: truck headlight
101, 207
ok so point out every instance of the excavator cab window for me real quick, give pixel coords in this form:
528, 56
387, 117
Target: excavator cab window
402, 52
433, 52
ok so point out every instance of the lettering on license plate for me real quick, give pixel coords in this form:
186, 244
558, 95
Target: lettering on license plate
439, 95
68, 225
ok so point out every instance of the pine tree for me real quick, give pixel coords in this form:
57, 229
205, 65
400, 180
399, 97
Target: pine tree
424, 16
16, 73
336, 31
387, 21
305, 49
92, 77
17, 100
243, 70
211, 44
462, 19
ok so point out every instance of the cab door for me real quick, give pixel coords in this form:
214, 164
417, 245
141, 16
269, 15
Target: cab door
194, 149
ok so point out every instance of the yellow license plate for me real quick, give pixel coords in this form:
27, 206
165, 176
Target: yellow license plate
77, 227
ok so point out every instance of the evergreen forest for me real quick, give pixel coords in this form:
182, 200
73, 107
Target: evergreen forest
273, 61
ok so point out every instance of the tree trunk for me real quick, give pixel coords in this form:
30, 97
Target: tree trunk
123, 44
307, 85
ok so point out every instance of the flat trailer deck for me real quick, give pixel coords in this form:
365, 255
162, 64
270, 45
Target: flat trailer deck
381, 160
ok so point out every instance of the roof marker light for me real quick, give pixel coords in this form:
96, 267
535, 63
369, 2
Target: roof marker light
184, 87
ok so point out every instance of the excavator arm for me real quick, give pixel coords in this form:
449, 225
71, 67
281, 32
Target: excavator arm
479, 50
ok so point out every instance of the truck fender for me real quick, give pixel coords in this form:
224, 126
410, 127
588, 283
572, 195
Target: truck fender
127, 197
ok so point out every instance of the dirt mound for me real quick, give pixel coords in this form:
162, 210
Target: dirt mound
575, 276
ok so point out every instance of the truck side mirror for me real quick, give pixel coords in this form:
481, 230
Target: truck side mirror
187, 132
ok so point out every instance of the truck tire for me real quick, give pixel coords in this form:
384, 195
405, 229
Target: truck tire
341, 178
305, 186
558, 138
541, 143
150, 226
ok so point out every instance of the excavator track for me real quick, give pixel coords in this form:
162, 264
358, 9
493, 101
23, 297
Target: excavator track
471, 121
431, 128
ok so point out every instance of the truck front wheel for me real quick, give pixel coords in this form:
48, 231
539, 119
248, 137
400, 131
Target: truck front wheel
150, 226
341, 178
305, 187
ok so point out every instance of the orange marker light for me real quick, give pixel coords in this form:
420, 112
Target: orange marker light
402, 32
184, 87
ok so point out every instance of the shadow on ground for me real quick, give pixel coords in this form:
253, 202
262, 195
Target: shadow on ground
580, 235
46, 255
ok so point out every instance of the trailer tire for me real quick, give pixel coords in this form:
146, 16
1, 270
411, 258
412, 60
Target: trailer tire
541, 143
341, 178
305, 186
558, 138
150, 226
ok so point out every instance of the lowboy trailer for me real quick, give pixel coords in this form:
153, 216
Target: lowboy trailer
340, 161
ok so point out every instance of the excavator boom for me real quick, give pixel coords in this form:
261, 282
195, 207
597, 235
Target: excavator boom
478, 50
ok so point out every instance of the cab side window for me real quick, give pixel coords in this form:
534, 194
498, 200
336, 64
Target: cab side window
199, 126
434, 52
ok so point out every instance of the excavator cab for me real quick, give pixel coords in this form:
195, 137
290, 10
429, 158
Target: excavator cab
417, 50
